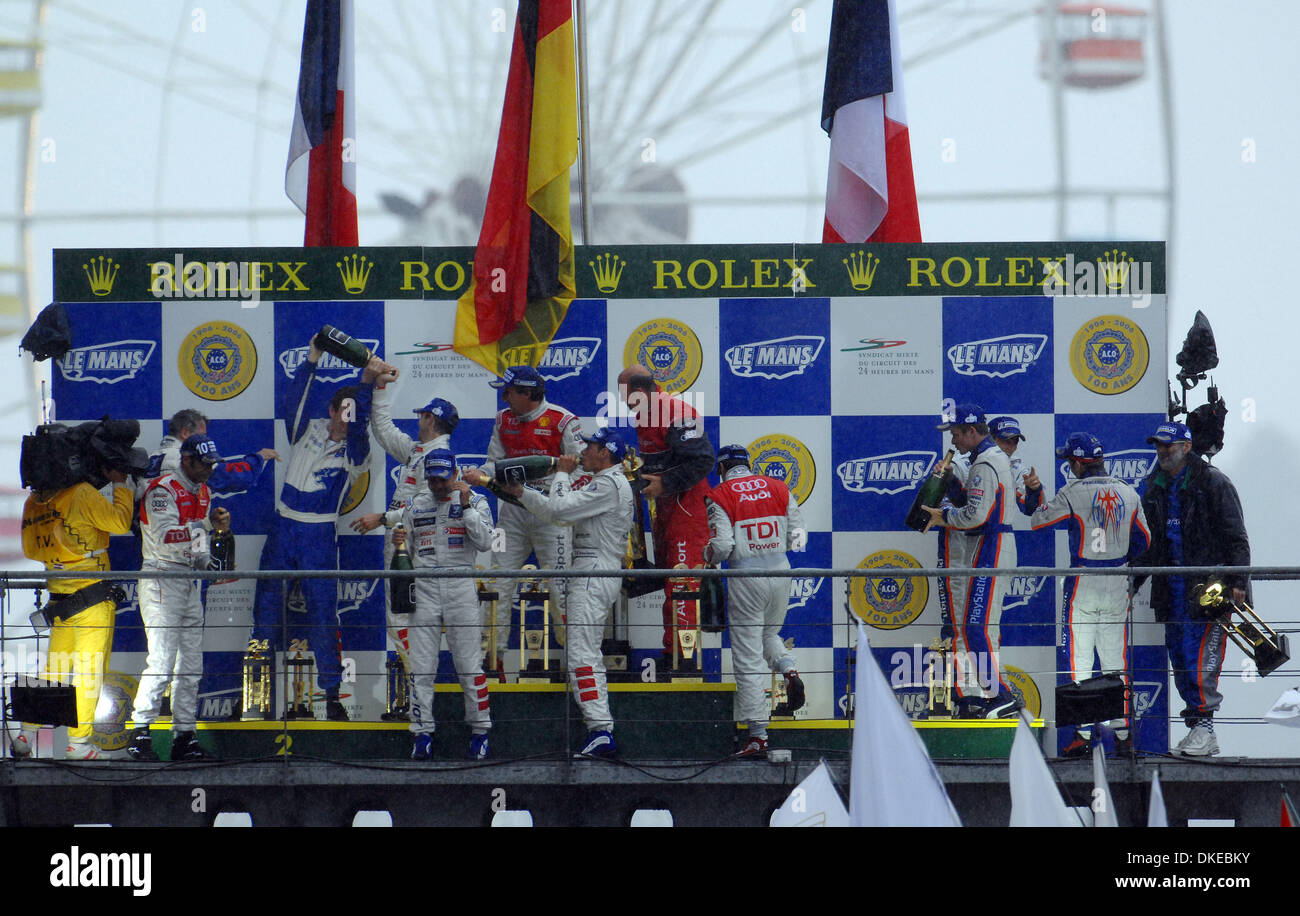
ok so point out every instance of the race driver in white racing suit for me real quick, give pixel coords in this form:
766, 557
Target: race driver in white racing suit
529, 425
1107, 528
438, 419
601, 513
446, 525
753, 521
982, 539
174, 526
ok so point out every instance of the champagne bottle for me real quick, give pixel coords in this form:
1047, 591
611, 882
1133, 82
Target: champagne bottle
527, 467
402, 589
713, 604
221, 548
930, 493
349, 349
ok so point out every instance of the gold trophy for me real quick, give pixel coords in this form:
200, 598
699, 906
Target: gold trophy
1268, 648
257, 681
300, 672
636, 556
938, 678
535, 644
780, 697
399, 697
618, 648
498, 634
687, 643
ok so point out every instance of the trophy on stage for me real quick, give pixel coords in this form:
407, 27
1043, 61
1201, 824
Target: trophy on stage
498, 633
1268, 648
687, 643
778, 693
300, 672
399, 697
636, 556
535, 644
258, 672
618, 648
930, 494
939, 673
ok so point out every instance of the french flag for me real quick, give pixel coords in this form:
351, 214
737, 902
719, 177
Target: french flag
870, 192
321, 177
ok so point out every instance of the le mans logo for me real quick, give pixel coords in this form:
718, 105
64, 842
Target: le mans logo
997, 357
786, 459
106, 363
1109, 354
886, 474
889, 602
217, 360
774, 359
669, 349
563, 358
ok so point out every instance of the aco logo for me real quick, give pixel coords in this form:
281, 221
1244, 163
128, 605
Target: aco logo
217, 360
1023, 685
1109, 354
889, 602
116, 697
787, 459
669, 349
356, 493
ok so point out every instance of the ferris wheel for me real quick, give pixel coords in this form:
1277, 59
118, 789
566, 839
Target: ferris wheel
704, 119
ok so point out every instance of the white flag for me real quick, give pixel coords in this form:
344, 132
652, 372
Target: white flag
895, 783
1103, 805
1156, 815
1286, 711
815, 802
1035, 800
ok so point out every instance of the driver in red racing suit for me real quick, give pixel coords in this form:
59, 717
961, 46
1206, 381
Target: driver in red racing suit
678, 457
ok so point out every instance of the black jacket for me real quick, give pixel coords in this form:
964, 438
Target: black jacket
1214, 530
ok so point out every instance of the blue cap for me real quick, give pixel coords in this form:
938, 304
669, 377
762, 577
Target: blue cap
1006, 428
440, 463
440, 408
519, 377
733, 453
963, 414
202, 448
1168, 433
611, 440
1080, 445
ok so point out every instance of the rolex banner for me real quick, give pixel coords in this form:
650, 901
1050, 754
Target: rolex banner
830, 363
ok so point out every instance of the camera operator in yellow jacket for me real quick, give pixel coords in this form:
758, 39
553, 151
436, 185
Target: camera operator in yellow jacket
68, 529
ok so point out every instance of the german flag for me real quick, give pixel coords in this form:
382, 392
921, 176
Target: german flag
523, 268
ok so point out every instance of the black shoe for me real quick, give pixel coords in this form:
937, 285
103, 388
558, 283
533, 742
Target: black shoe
301, 711
335, 711
1004, 706
141, 746
185, 746
970, 708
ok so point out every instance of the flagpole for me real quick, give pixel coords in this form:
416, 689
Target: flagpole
583, 191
